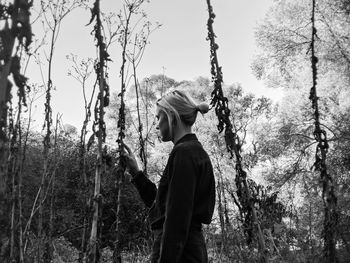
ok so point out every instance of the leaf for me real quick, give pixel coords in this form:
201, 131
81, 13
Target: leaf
94, 11
90, 141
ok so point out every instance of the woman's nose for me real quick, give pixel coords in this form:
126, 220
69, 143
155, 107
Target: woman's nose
156, 123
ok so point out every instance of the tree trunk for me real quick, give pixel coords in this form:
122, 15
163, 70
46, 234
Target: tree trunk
94, 246
221, 218
20, 209
41, 234
328, 194
85, 203
13, 210
117, 246
227, 218
220, 208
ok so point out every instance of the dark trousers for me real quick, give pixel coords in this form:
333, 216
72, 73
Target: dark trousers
195, 250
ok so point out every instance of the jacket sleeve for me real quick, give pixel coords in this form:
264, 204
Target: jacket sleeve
146, 188
179, 207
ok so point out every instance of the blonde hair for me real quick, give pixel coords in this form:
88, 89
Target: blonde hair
179, 105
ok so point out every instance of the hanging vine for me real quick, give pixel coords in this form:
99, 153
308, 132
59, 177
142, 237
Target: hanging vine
99, 131
18, 29
233, 144
328, 196
15, 37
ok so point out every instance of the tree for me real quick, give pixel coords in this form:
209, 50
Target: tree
288, 44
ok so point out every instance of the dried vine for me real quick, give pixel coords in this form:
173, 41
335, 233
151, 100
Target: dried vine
18, 173
130, 8
15, 36
20, 29
142, 141
320, 135
81, 72
233, 144
53, 15
142, 152
121, 135
99, 131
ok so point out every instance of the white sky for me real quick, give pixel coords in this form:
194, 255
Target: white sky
179, 46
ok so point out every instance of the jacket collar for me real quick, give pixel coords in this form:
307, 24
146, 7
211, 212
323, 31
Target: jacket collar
187, 137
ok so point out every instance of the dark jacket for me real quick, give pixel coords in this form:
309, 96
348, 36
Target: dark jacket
185, 198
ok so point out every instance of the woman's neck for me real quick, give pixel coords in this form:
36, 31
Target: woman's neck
180, 131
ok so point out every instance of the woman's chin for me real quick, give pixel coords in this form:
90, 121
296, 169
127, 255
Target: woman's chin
165, 139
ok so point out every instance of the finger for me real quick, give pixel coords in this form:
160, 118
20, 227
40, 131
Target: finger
127, 148
126, 155
129, 151
127, 160
123, 151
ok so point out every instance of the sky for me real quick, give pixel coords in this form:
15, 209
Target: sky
178, 49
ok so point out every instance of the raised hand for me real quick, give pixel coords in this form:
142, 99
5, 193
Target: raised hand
130, 160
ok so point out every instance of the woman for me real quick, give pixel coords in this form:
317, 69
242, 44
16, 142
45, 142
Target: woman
185, 197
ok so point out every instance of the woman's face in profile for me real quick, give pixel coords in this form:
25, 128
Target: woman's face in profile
163, 125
